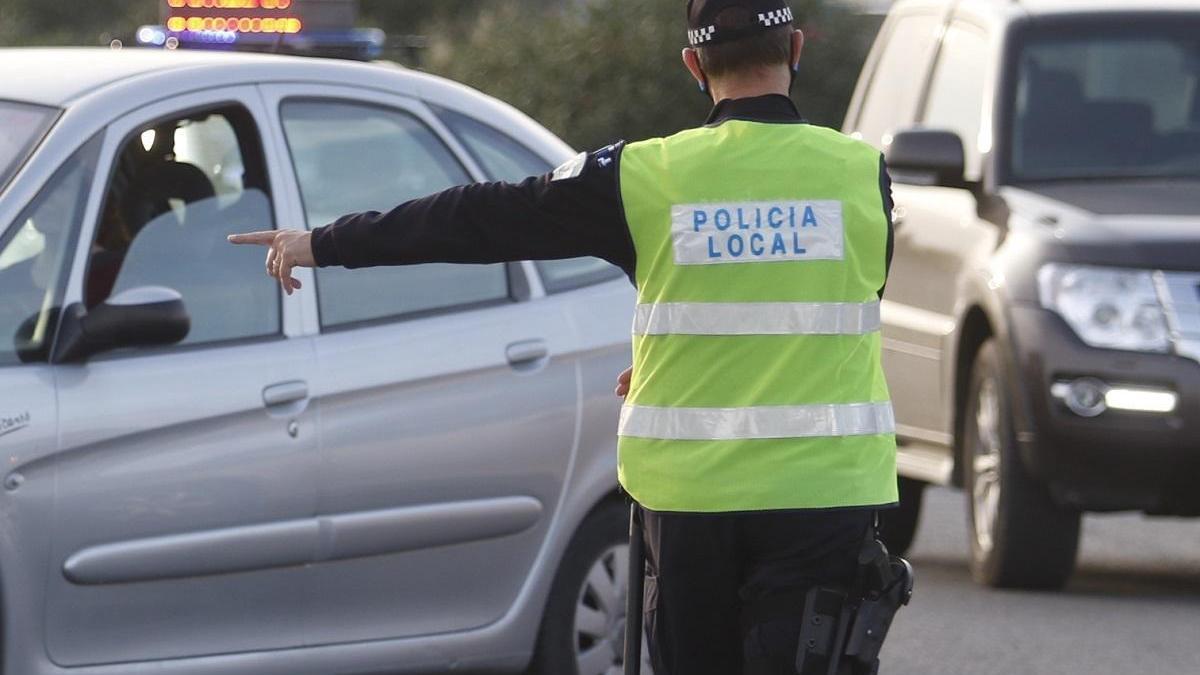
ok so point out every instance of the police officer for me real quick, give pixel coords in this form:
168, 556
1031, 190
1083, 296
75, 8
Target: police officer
757, 434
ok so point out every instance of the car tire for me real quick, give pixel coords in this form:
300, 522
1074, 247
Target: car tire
582, 631
898, 526
1020, 538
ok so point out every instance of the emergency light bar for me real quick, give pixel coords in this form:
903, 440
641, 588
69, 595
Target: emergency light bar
311, 27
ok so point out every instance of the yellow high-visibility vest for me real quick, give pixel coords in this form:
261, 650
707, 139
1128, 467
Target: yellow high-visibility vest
757, 378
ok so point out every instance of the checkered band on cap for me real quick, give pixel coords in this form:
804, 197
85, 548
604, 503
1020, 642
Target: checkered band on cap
701, 35
713, 22
776, 18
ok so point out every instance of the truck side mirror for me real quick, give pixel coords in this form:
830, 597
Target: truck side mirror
927, 157
147, 316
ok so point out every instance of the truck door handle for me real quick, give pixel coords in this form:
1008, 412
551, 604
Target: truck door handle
281, 394
526, 354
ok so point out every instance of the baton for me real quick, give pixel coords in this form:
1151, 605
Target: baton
633, 598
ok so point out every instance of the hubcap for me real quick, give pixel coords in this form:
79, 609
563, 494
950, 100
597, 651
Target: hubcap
600, 616
985, 497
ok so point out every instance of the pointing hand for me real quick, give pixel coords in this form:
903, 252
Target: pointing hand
285, 249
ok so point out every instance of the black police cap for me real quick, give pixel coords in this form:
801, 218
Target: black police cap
712, 22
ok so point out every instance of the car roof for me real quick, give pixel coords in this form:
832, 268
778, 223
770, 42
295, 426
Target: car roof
59, 76
1078, 6
55, 76
1016, 8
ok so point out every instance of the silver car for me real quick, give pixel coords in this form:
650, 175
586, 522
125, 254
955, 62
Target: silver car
406, 469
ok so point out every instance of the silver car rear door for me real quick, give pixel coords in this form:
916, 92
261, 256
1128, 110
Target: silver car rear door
449, 419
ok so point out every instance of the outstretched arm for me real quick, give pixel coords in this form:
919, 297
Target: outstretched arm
574, 211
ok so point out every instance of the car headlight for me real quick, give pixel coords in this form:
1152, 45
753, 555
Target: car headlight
1107, 307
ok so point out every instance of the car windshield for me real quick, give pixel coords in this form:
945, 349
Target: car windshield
21, 127
1099, 99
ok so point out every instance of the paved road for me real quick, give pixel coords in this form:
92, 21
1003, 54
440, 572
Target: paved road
1133, 606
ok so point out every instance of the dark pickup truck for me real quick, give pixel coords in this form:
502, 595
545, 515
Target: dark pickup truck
1042, 319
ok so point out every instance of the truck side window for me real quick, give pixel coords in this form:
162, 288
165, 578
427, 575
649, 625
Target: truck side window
957, 91
891, 98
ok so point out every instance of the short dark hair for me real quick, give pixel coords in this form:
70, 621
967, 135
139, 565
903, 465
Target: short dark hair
761, 50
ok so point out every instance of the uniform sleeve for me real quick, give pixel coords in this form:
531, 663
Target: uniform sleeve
885, 187
574, 211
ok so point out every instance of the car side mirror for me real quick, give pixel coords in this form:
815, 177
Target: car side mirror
927, 157
147, 316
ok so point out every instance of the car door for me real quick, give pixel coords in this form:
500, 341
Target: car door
911, 335
448, 418
937, 229
184, 497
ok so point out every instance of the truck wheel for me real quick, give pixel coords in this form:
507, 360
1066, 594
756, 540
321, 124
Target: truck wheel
583, 630
898, 526
1019, 537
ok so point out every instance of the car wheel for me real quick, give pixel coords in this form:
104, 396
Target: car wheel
1019, 537
898, 526
583, 630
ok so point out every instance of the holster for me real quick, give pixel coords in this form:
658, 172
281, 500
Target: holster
843, 630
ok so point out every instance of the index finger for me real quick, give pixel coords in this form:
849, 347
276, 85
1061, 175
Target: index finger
262, 238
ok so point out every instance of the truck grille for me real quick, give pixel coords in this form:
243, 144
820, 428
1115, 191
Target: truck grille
1180, 295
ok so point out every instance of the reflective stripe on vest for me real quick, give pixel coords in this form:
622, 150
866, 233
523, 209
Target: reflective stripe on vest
757, 318
726, 424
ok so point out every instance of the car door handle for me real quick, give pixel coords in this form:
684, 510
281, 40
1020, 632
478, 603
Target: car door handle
899, 215
526, 353
284, 393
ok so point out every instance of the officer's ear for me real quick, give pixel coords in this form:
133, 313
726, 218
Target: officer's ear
797, 47
691, 59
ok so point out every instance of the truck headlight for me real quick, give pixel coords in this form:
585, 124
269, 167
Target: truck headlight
1107, 306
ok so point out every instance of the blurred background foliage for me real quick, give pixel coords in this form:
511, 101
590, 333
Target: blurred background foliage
603, 70
593, 71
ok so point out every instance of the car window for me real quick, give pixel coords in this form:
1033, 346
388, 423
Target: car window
504, 158
501, 156
1108, 98
956, 92
34, 254
21, 127
352, 157
178, 187
895, 87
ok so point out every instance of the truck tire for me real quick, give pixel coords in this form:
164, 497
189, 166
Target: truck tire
583, 629
1019, 537
898, 526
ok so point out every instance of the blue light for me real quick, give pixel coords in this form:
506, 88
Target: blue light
209, 36
152, 35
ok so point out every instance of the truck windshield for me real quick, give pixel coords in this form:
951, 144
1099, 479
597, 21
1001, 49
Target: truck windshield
21, 127
1100, 100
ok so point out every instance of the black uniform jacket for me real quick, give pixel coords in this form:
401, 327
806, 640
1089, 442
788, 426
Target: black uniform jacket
570, 213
